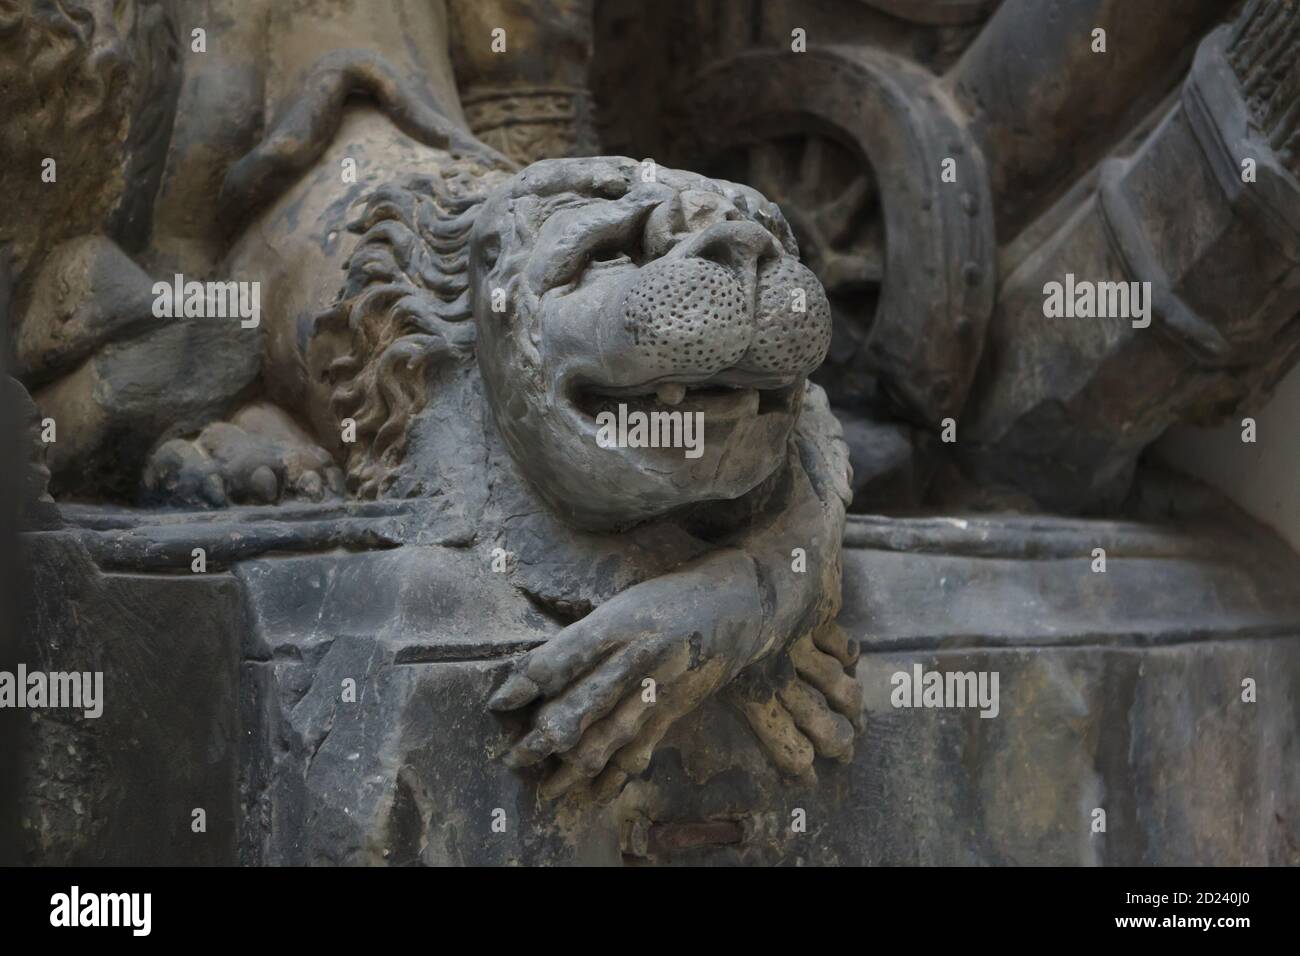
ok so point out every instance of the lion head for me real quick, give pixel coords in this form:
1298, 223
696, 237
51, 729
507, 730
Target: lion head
596, 287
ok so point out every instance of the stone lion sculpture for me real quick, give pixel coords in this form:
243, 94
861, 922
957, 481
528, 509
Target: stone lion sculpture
488, 320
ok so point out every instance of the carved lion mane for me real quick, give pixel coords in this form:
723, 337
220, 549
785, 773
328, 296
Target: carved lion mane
405, 305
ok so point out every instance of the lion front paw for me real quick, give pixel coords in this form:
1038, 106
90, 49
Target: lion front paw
805, 704
261, 456
610, 686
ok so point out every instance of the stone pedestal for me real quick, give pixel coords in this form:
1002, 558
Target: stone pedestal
232, 691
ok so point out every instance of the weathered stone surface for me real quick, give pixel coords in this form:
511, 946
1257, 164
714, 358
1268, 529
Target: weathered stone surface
893, 463
535, 104
31, 478
1068, 403
122, 787
1005, 83
113, 408
87, 292
1119, 690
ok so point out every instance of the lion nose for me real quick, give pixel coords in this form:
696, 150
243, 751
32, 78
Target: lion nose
727, 303
738, 246
791, 324
687, 317
789, 317
691, 317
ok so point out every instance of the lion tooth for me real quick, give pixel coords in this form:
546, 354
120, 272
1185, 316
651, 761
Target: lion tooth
671, 393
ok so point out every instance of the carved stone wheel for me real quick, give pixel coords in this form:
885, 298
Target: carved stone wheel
936, 11
852, 143
831, 202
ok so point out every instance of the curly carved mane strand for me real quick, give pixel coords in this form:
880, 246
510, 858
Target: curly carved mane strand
404, 303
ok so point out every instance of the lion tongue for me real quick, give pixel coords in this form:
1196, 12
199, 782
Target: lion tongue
671, 393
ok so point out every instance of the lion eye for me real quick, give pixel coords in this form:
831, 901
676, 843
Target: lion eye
615, 251
609, 257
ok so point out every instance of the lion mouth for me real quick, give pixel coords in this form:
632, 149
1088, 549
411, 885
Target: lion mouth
717, 402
